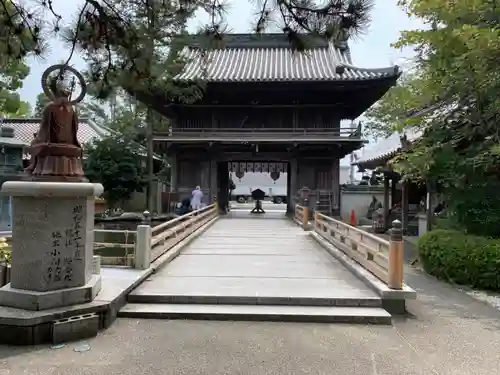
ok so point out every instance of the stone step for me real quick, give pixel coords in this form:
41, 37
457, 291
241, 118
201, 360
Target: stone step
140, 297
312, 314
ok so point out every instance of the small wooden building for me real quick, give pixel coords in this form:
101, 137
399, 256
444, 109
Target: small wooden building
268, 108
401, 198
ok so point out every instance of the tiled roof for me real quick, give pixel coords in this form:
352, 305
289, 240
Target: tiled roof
260, 58
26, 127
390, 146
387, 147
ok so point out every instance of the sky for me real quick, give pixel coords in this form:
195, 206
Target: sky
371, 50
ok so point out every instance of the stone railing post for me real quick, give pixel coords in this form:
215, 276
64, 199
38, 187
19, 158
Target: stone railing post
96, 265
305, 215
142, 256
316, 209
396, 252
146, 218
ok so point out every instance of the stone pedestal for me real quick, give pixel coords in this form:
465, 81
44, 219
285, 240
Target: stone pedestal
422, 224
52, 244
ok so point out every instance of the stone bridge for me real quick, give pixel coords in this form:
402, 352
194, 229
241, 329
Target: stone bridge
239, 266
267, 267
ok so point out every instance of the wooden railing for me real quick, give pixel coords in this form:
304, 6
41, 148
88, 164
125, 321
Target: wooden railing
168, 234
382, 258
261, 133
301, 216
115, 247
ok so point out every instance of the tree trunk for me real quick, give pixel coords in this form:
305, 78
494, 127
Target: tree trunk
149, 140
150, 115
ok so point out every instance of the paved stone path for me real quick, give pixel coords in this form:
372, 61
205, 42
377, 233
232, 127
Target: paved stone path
447, 333
265, 256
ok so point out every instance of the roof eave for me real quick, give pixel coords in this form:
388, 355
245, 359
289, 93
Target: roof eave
386, 77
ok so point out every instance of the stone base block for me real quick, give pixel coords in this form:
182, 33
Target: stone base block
36, 301
75, 328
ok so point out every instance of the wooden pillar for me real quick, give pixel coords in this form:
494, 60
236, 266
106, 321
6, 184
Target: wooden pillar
396, 257
336, 187
289, 197
213, 181
386, 201
430, 204
405, 205
294, 187
393, 190
174, 173
305, 219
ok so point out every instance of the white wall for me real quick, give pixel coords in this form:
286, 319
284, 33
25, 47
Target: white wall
359, 201
344, 174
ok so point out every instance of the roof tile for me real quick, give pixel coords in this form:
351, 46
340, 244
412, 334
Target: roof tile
387, 146
24, 129
266, 63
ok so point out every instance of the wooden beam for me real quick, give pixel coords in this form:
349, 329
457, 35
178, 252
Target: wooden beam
405, 205
386, 201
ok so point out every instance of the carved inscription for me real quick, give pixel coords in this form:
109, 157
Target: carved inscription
76, 233
67, 248
54, 269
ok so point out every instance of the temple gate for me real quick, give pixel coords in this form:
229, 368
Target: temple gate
268, 108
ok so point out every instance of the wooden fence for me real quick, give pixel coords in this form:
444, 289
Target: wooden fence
382, 258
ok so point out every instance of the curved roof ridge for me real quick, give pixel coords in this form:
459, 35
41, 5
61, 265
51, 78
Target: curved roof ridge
276, 64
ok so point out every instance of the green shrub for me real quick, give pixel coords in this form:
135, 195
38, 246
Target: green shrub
6, 255
462, 259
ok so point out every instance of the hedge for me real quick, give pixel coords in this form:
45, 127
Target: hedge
461, 259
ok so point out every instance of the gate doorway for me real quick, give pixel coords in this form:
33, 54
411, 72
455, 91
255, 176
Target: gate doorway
269, 176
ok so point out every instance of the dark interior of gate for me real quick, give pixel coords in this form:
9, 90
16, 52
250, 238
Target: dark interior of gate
264, 103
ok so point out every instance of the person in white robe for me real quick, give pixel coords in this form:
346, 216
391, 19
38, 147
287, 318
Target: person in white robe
196, 197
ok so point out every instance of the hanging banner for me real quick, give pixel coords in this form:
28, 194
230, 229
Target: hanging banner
258, 167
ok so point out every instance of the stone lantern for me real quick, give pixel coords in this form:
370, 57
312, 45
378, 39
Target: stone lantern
304, 195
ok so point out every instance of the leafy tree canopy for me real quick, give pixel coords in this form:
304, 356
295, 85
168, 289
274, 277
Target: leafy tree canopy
12, 74
391, 112
41, 101
115, 163
457, 79
12, 71
457, 58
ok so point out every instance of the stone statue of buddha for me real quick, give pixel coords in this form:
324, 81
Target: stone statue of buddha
374, 206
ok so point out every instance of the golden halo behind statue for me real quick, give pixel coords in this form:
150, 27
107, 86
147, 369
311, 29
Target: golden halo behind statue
54, 77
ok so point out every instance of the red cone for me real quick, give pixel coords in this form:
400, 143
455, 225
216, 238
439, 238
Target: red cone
352, 219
